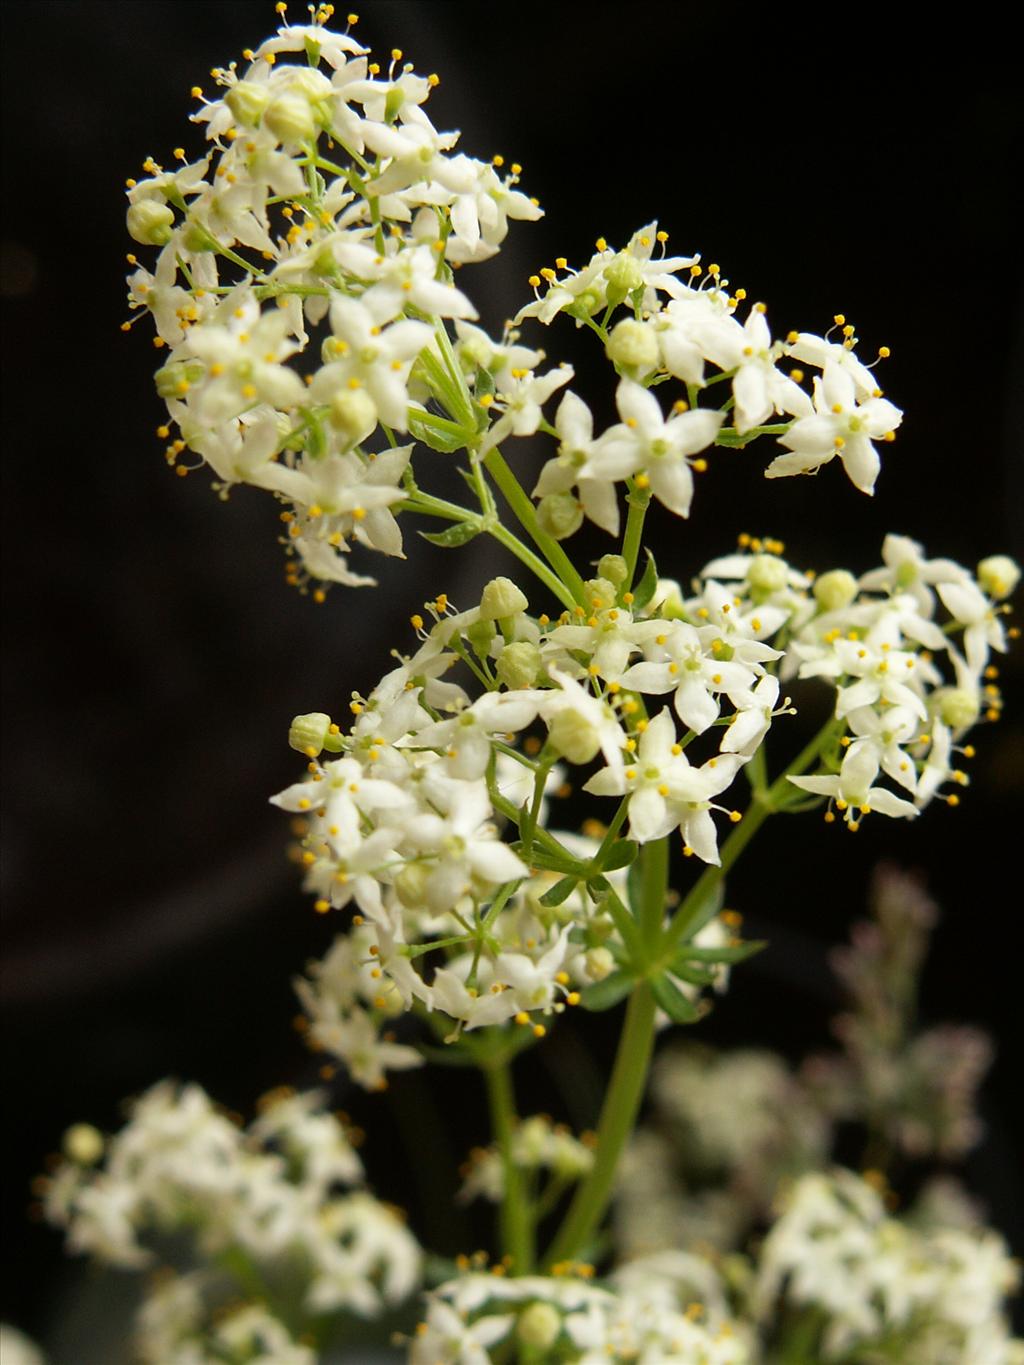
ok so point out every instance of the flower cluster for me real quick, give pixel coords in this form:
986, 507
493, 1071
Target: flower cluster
263, 1201
635, 1317
936, 1294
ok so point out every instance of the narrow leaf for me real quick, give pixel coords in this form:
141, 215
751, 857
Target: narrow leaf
438, 433
602, 995
674, 1002
621, 854
644, 590
561, 891
458, 534
737, 952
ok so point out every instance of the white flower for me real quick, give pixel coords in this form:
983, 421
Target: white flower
645, 442
574, 423
840, 427
851, 787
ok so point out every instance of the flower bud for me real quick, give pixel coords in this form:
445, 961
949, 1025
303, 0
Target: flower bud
481, 635
574, 736
599, 963
175, 380
956, 707
519, 665
767, 574
668, 599
290, 119
600, 592
622, 276
560, 515
308, 733
502, 598
150, 222
84, 1144
585, 305
998, 575
247, 101
539, 1325
388, 998
835, 590
411, 885
353, 414
633, 345
613, 568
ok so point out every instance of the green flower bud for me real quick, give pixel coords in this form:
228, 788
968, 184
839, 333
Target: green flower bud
175, 380
83, 1144
613, 568
481, 634
539, 1325
955, 706
599, 963
633, 345
519, 664
767, 573
290, 119
622, 276
150, 222
388, 998
602, 589
353, 414
574, 737
585, 305
411, 884
668, 599
560, 515
308, 733
475, 353
198, 238
998, 575
502, 598
247, 101
835, 590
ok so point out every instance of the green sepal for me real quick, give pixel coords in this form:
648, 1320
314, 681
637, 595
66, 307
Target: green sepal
674, 1002
459, 534
644, 590
621, 854
602, 995
438, 433
561, 891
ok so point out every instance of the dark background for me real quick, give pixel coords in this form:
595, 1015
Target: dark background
154, 655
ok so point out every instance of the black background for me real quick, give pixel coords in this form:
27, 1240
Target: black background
154, 655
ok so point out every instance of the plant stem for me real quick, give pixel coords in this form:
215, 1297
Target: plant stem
638, 500
523, 508
618, 1114
515, 1218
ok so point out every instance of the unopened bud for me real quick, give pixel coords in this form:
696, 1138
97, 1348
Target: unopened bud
411, 885
599, 963
247, 101
175, 379
955, 706
353, 414
290, 119
668, 599
574, 737
480, 635
502, 598
613, 568
622, 276
767, 573
309, 732
633, 345
519, 665
835, 590
560, 515
150, 222
998, 575
84, 1144
539, 1325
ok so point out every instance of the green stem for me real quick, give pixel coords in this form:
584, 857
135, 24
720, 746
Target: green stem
618, 1114
638, 500
533, 562
527, 517
654, 883
515, 1218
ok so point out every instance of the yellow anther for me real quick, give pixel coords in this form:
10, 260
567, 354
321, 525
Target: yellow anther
884, 353
839, 319
680, 405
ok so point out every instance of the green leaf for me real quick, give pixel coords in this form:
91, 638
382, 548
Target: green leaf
706, 908
458, 534
437, 432
686, 971
602, 995
674, 1002
737, 952
644, 590
561, 891
621, 854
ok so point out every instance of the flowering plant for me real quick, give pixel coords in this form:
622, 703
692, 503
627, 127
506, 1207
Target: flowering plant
315, 344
